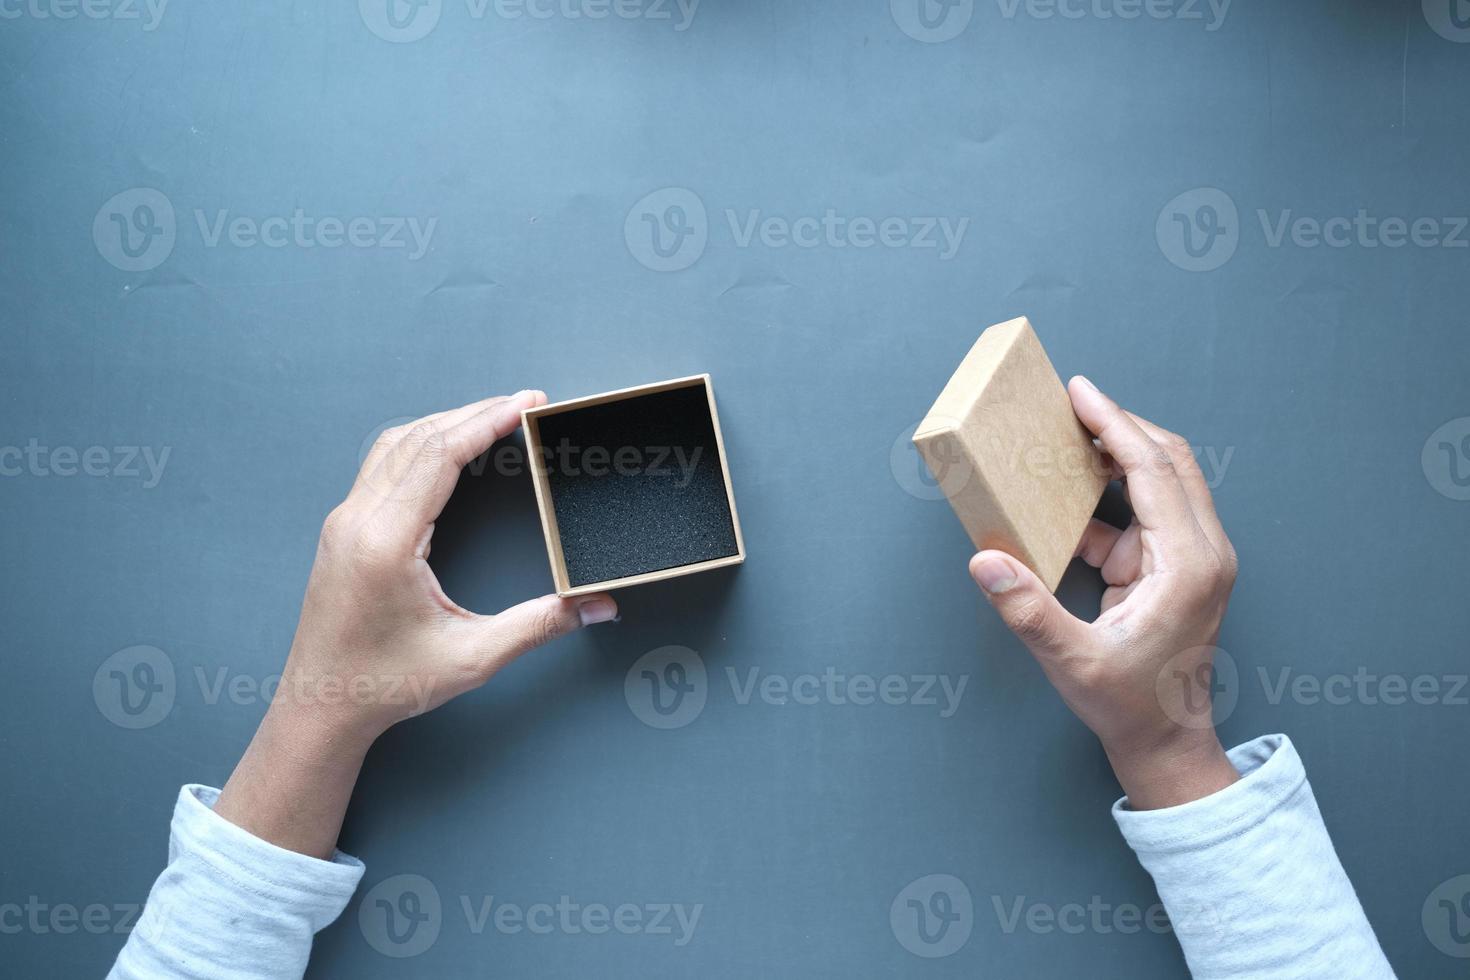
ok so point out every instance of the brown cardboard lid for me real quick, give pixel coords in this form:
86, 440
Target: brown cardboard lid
1018, 467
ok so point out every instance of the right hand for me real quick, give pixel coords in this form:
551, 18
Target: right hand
1139, 675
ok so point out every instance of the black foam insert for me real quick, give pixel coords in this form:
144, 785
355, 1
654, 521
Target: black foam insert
637, 485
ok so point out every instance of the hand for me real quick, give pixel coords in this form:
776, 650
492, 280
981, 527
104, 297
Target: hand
1169, 576
376, 617
378, 640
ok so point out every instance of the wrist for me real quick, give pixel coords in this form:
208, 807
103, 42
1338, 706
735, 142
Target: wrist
292, 785
319, 734
1179, 767
326, 712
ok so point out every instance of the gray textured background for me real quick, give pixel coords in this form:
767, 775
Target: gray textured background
1318, 373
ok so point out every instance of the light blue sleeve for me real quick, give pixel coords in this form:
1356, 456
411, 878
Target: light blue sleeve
1250, 879
230, 906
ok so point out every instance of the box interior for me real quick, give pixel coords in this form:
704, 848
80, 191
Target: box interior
637, 485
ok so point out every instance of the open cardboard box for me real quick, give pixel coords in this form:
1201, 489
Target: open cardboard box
633, 486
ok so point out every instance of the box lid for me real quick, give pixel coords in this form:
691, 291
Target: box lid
1018, 467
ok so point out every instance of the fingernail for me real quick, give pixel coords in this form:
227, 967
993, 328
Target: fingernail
994, 576
598, 611
1087, 381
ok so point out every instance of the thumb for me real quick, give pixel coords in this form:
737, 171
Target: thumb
1026, 606
502, 638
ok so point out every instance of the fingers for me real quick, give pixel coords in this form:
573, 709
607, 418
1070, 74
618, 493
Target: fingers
389, 438
497, 640
1097, 542
1154, 489
419, 471
1026, 606
1118, 553
1124, 564
1191, 478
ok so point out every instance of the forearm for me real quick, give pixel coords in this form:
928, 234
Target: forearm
293, 783
1250, 879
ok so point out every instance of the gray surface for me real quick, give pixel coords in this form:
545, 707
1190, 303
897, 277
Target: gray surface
1323, 371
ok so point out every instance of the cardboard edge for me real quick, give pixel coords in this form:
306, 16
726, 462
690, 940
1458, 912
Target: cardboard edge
644, 578
541, 485
714, 417
619, 394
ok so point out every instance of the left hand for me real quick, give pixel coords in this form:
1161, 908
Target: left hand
375, 617
378, 640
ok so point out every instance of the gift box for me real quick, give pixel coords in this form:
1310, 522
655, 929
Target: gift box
633, 486
1002, 442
